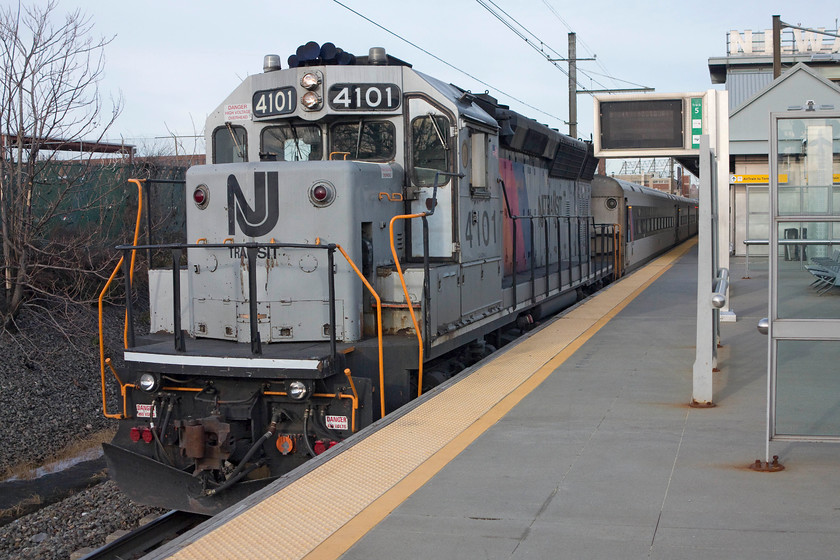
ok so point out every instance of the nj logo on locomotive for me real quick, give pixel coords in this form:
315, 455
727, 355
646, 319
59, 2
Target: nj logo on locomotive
260, 219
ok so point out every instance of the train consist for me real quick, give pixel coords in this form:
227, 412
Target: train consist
652, 221
360, 232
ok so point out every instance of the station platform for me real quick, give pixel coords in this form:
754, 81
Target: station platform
575, 442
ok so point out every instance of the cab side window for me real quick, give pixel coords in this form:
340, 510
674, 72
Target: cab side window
429, 152
230, 144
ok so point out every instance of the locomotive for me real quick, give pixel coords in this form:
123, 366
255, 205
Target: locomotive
360, 232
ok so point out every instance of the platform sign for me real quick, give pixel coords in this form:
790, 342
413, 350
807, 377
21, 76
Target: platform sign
643, 123
696, 121
649, 125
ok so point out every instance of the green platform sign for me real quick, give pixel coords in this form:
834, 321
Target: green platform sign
696, 121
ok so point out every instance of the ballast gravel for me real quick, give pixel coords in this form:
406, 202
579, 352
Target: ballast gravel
81, 521
50, 397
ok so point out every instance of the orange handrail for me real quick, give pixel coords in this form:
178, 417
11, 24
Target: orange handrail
102, 360
102, 347
407, 298
137, 182
378, 328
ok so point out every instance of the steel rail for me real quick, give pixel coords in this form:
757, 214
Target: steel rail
148, 537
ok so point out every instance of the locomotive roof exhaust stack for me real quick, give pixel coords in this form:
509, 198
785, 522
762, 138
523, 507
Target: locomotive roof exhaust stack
376, 55
271, 62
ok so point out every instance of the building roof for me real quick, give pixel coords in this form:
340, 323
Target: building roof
749, 124
60, 145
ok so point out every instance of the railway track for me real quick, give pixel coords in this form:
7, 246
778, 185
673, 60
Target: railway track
148, 537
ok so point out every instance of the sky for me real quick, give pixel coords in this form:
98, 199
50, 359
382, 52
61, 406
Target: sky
173, 62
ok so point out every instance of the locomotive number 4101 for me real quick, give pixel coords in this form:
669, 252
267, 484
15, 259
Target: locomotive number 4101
270, 102
364, 97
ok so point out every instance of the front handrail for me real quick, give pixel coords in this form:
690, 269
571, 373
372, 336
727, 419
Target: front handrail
102, 360
252, 249
426, 294
137, 182
407, 297
378, 327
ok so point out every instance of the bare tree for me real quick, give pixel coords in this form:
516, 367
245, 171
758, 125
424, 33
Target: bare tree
49, 104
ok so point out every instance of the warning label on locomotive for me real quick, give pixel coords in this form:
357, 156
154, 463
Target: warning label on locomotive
238, 112
146, 411
337, 422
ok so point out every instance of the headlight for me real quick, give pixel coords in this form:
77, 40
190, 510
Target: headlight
149, 382
297, 390
310, 100
310, 80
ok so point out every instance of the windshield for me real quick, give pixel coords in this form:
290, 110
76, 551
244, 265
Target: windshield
290, 142
364, 140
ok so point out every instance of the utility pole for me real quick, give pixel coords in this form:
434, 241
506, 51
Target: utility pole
777, 47
671, 186
572, 86
573, 90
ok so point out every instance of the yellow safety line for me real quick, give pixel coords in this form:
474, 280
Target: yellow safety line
327, 510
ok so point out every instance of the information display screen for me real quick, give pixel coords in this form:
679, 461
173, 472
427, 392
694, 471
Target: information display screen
654, 123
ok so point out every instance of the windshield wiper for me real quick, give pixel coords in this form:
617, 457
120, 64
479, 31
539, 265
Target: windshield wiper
235, 141
297, 141
438, 131
359, 138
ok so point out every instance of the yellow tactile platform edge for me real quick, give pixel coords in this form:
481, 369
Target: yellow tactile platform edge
327, 510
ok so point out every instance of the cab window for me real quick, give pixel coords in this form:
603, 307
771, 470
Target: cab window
363, 140
230, 144
428, 148
291, 143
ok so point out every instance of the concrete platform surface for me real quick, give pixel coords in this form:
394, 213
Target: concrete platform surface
605, 459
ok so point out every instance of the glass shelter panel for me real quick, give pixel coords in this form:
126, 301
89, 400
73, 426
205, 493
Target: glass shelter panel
805, 277
808, 161
807, 388
808, 282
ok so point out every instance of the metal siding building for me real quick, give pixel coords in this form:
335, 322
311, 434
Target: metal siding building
807, 75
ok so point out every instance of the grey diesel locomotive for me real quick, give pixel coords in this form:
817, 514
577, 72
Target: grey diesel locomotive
360, 232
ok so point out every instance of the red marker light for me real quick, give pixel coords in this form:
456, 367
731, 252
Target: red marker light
134, 434
320, 193
199, 196
147, 435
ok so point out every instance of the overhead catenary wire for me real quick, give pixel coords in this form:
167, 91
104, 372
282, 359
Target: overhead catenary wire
581, 42
523, 32
449, 64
